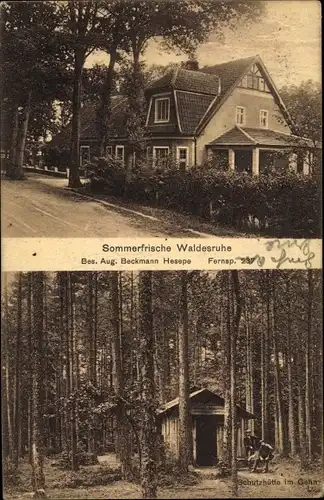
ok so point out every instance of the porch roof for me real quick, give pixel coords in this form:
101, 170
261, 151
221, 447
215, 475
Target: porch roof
203, 395
245, 136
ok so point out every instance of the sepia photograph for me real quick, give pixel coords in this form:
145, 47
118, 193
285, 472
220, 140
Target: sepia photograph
162, 384
160, 118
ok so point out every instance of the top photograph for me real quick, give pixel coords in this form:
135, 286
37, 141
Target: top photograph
188, 118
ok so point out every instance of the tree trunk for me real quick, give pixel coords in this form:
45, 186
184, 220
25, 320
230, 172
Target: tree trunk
265, 340
74, 177
185, 434
104, 113
226, 349
278, 391
38, 388
123, 450
7, 374
301, 413
74, 441
308, 387
149, 434
17, 418
291, 419
233, 340
11, 171
21, 142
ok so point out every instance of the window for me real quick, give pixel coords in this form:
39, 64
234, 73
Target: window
254, 80
108, 151
182, 157
263, 118
119, 153
240, 115
84, 155
160, 156
244, 81
162, 110
262, 85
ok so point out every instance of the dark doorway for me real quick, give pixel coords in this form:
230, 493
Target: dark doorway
206, 448
243, 160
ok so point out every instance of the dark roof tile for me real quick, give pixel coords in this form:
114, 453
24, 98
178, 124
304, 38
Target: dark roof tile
192, 108
187, 80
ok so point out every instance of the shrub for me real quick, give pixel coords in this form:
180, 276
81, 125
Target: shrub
87, 478
10, 473
281, 203
84, 458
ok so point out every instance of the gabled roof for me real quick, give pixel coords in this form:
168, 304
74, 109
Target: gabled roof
200, 394
230, 74
187, 80
246, 136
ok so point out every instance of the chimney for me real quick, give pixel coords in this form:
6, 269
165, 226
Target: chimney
191, 64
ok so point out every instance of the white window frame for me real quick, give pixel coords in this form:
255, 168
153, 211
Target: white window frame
156, 102
120, 146
187, 155
110, 149
154, 152
266, 115
82, 148
243, 115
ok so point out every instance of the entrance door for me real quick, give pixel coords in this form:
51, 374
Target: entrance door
206, 449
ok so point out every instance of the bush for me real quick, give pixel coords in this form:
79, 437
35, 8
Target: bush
87, 478
281, 203
107, 175
84, 458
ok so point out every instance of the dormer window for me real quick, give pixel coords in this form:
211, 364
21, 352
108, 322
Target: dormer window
264, 118
162, 110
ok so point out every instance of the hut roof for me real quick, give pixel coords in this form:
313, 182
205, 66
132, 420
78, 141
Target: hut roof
204, 395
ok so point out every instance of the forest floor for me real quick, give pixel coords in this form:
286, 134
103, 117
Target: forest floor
284, 480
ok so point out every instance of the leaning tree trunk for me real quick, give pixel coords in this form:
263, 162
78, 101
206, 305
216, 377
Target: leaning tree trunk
38, 389
185, 436
149, 433
74, 176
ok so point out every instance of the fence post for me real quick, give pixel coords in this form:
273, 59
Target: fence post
67, 172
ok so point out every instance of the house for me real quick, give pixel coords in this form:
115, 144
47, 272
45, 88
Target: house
231, 111
207, 417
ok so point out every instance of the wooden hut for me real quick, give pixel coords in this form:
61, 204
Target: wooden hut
207, 416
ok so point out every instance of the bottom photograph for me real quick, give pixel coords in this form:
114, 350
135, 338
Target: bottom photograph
162, 384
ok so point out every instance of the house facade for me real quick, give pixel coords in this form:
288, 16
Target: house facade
207, 423
231, 112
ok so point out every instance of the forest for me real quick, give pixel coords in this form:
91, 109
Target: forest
88, 358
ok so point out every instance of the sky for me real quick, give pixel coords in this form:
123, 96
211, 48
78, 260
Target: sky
288, 39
